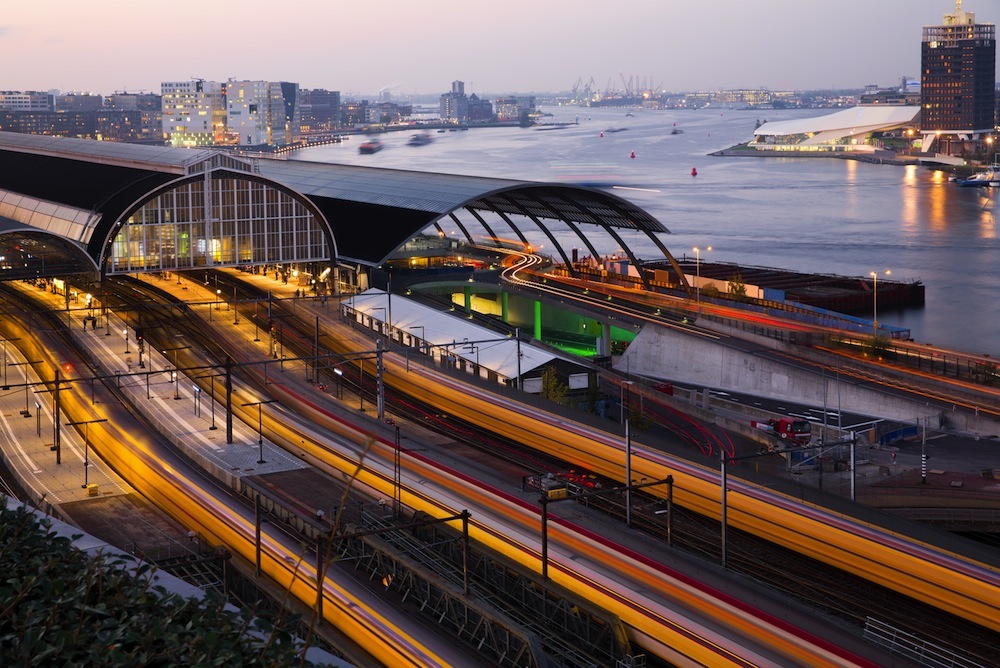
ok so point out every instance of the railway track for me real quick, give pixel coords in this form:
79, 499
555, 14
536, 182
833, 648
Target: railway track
782, 569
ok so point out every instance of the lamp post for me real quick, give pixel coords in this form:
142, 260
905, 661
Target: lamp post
260, 426
176, 370
396, 478
423, 336
517, 338
621, 399
5, 385
697, 270
473, 348
211, 397
25, 412
379, 374
874, 275
628, 475
125, 334
86, 447
379, 308
236, 311
213, 427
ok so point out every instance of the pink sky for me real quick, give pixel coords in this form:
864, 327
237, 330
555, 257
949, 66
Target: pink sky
512, 46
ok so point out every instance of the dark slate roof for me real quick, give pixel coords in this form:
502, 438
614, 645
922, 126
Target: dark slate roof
87, 175
373, 211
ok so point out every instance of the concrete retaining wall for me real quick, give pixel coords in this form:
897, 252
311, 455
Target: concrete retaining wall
670, 354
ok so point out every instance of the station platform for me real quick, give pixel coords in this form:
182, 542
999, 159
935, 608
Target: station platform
194, 422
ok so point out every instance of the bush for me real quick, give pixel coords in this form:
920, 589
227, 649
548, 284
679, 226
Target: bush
62, 606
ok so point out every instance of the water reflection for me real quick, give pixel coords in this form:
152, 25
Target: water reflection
822, 215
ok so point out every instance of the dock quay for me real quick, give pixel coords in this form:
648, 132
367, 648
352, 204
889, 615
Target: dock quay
842, 294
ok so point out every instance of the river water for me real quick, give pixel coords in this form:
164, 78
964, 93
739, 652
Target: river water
817, 215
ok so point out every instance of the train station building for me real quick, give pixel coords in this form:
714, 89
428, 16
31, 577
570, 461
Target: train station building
71, 206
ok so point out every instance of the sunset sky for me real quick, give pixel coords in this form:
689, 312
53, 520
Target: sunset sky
410, 48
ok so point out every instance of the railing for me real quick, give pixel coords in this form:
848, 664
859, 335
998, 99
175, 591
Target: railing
914, 649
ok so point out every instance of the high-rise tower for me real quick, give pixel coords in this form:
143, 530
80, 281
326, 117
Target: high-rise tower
957, 82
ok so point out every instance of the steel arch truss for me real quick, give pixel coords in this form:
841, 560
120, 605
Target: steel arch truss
571, 206
220, 218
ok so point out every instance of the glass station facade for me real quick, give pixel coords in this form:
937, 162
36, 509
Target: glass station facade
219, 219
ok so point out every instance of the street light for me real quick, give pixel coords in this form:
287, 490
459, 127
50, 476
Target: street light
874, 275
25, 412
622, 397
473, 348
396, 479
260, 425
423, 336
379, 308
125, 334
86, 448
5, 385
697, 269
379, 373
211, 397
176, 384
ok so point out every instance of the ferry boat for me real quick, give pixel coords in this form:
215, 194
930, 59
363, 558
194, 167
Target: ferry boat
370, 146
420, 139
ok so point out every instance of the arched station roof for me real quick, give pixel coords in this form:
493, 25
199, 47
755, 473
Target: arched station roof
373, 211
82, 190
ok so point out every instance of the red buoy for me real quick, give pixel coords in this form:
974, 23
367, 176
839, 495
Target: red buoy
633, 154
602, 134
694, 172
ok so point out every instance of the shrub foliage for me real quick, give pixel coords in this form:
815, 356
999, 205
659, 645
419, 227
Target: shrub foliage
60, 606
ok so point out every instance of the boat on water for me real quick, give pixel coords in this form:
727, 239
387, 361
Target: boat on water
988, 178
420, 139
370, 146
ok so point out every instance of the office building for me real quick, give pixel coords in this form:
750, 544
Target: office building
263, 113
15, 100
957, 83
194, 112
454, 106
320, 110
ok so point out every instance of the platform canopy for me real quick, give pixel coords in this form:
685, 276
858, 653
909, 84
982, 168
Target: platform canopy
135, 208
373, 211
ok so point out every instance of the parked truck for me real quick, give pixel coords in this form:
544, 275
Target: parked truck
796, 432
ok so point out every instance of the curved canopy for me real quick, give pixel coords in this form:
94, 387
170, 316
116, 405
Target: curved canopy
401, 203
86, 189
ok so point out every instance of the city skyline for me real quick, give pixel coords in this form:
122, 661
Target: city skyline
113, 45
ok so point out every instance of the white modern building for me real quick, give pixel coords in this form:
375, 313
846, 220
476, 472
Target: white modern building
244, 113
194, 112
263, 112
27, 100
849, 130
